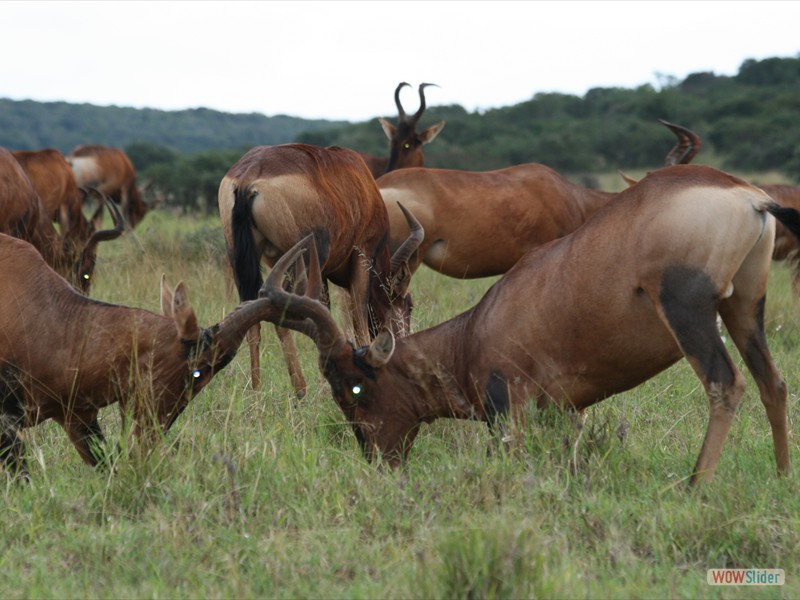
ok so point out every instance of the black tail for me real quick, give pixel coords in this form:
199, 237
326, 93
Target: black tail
789, 217
245, 257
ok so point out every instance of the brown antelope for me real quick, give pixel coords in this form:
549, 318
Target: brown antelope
405, 144
589, 315
464, 213
110, 171
54, 181
275, 195
23, 215
64, 356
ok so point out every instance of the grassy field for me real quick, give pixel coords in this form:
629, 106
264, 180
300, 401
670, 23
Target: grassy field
260, 495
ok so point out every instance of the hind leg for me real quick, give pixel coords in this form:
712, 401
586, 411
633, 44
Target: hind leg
743, 315
687, 304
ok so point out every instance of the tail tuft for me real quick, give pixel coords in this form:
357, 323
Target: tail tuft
789, 217
245, 257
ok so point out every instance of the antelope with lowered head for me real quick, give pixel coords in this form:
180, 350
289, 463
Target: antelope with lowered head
110, 171
275, 195
64, 356
23, 215
465, 213
405, 144
53, 179
589, 315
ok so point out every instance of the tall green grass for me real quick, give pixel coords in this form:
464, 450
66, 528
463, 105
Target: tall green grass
257, 494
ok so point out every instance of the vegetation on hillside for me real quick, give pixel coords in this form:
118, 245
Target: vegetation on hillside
748, 122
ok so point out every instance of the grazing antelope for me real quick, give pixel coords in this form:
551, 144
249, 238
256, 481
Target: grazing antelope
589, 315
53, 179
275, 195
23, 215
64, 356
405, 144
464, 213
110, 171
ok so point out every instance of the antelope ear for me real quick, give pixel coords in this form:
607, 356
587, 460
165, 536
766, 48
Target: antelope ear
388, 128
183, 314
400, 281
166, 297
381, 349
430, 133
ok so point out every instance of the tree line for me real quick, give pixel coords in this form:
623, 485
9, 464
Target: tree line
748, 122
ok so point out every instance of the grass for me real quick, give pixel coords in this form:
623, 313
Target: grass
260, 495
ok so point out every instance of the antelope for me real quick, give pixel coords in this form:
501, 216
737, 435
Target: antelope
275, 195
64, 356
23, 215
405, 144
587, 316
464, 213
110, 171
53, 179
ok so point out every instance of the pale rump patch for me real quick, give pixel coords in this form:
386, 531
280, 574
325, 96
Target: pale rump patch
86, 169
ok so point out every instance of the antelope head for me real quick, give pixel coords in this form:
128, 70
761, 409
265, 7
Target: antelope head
405, 144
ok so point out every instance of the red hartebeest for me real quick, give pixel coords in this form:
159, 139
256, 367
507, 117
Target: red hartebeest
275, 195
64, 356
110, 171
464, 213
589, 315
405, 144
23, 215
54, 181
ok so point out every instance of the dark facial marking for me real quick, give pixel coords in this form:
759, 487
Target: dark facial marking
689, 301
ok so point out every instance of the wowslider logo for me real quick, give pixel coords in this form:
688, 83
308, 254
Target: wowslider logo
745, 577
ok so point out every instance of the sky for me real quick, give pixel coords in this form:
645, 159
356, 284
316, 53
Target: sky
343, 60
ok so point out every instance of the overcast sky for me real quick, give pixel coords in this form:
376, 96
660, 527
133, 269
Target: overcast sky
343, 60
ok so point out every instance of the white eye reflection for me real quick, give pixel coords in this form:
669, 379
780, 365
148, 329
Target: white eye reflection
86, 276
356, 390
196, 374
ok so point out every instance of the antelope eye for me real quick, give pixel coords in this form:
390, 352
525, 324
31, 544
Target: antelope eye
196, 374
86, 276
357, 389
406, 145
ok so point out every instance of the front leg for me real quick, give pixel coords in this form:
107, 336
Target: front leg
88, 439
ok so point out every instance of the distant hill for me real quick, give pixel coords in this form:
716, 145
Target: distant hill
30, 125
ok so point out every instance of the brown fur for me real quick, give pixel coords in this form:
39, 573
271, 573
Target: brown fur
23, 215
110, 171
587, 316
465, 213
297, 189
68, 356
54, 181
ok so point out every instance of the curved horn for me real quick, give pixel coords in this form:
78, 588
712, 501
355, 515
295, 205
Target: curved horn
305, 313
422, 105
412, 242
106, 235
687, 146
401, 114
